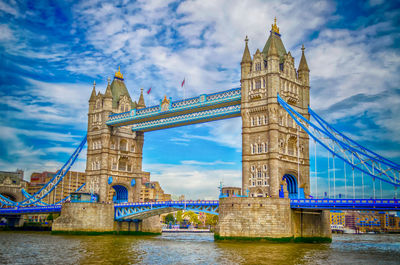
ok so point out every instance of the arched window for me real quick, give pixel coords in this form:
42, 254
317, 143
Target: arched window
265, 147
259, 175
132, 148
259, 120
255, 149
258, 84
290, 121
260, 148
122, 165
292, 145
265, 119
264, 82
252, 121
123, 145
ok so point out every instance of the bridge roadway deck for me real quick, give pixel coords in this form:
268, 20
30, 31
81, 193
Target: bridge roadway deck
206, 107
128, 209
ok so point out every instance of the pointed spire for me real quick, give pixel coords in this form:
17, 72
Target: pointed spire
274, 27
93, 95
141, 103
303, 62
108, 93
246, 54
272, 51
118, 74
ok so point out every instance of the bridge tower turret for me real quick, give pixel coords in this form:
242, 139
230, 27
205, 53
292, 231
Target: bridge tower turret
114, 155
274, 149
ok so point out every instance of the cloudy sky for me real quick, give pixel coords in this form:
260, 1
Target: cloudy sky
51, 52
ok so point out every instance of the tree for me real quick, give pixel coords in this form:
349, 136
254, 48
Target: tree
50, 217
211, 219
193, 217
169, 218
179, 217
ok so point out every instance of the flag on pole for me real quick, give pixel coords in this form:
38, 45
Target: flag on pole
183, 82
148, 91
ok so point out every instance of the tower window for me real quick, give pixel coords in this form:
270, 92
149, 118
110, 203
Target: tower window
259, 120
258, 66
260, 148
258, 84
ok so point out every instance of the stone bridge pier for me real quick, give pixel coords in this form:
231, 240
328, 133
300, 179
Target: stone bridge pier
98, 218
270, 219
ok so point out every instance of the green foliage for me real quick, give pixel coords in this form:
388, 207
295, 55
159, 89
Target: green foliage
50, 217
169, 218
179, 217
211, 219
193, 217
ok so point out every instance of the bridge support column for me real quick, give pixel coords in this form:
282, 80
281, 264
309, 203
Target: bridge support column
269, 219
85, 218
148, 226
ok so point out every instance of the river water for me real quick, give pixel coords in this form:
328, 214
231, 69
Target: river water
43, 248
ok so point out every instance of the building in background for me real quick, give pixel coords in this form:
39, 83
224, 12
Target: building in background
364, 221
11, 184
152, 191
70, 183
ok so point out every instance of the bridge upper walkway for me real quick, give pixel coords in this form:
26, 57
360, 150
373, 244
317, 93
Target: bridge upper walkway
206, 107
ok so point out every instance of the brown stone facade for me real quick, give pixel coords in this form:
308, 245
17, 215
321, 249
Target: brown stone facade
270, 219
85, 217
113, 152
272, 144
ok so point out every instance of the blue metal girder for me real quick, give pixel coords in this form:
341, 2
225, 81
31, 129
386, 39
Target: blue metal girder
30, 210
206, 107
346, 204
49, 186
357, 158
131, 211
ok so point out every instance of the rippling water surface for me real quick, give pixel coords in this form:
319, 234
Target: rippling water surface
43, 248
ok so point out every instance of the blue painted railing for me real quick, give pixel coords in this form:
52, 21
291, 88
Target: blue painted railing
123, 210
346, 204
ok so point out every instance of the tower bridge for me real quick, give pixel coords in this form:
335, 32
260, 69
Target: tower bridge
273, 104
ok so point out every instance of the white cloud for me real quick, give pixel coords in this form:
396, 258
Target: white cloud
192, 181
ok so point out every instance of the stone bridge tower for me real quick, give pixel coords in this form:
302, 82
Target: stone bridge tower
274, 149
114, 155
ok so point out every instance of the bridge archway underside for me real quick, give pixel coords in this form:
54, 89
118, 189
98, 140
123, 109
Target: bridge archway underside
204, 108
140, 211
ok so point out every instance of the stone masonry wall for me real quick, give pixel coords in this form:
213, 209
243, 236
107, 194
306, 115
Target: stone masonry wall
85, 217
309, 223
254, 217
